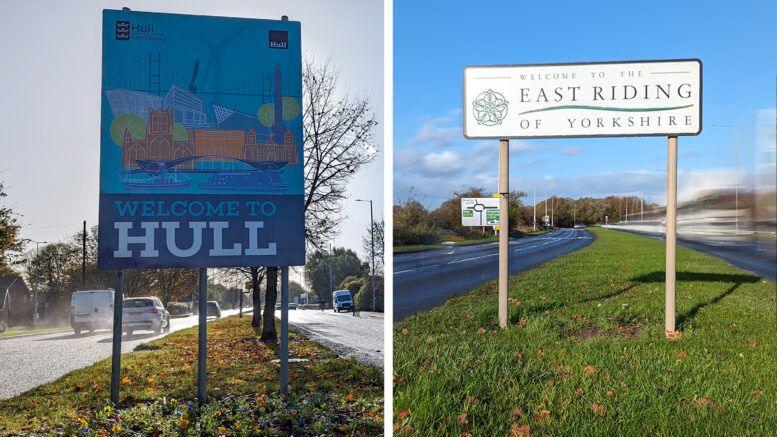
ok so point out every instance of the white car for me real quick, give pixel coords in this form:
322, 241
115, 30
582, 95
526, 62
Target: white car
144, 313
91, 309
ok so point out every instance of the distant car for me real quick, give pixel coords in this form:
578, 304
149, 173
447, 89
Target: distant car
144, 313
342, 300
214, 309
292, 306
91, 309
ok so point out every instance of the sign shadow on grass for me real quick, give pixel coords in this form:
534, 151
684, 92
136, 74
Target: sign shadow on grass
683, 319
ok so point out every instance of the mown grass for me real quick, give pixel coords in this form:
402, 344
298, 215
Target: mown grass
329, 395
458, 241
586, 355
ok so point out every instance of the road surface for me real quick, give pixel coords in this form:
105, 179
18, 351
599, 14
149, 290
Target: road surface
359, 337
758, 257
31, 360
424, 280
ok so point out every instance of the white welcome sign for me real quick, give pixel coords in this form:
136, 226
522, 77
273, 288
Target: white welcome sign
637, 98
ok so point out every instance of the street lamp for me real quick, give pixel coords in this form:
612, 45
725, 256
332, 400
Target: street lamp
736, 165
36, 316
372, 238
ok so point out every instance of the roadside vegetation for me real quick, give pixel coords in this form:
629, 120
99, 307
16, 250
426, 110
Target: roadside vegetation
585, 352
328, 395
417, 228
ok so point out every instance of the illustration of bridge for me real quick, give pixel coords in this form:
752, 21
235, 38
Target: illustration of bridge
248, 175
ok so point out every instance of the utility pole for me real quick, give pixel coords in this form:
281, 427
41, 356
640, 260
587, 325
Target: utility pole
36, 315
83, 256
552, 204
627, 209
331, 290
534, 205
642, 206
372, 242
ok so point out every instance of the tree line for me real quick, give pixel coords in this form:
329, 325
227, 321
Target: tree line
415, 224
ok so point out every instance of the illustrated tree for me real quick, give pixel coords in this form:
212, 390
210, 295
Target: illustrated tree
131, 122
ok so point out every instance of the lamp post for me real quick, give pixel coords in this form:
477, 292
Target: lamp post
736, 165
372, 241
36, 316
534, 206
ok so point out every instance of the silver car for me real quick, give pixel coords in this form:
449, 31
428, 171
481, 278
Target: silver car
144, 313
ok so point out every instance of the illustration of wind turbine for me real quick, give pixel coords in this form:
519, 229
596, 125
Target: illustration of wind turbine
214, 61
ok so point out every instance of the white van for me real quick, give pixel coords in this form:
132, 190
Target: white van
91, 309
342, 300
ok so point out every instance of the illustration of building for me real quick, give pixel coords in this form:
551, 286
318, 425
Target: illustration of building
211, 146
124, 101
187, 108
158, 144
270, 151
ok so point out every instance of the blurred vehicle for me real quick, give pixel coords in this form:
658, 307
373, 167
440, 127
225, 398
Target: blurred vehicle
91, 309
179, 308
214, 309
144, 313
292, 306
342, 300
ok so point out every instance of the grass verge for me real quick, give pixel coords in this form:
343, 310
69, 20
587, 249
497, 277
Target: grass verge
15, 332
328, 395
458, 242
586, 354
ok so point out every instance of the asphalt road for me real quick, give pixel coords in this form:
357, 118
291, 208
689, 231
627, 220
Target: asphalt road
423, 280
359, 337
31, 360
758, 257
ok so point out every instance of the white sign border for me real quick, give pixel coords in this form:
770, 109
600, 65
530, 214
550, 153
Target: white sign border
464, 99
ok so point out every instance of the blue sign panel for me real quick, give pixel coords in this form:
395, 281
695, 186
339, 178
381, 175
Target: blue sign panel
201, 159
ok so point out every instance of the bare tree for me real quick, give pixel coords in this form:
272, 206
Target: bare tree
378, 229
339, 139
237, 276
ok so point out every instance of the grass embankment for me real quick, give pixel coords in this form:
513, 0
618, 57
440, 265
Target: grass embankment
15, 332
457, 241
328, 395
586, 353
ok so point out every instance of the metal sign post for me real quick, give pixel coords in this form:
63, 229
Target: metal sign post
671, 236
202, 333
118, 304
284, 377
504, 229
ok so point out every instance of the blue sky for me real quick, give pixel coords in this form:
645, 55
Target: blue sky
434, 40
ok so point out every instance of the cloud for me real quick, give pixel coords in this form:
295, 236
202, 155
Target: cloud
570, 151
649, 184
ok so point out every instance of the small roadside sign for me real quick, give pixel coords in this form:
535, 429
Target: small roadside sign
479, 211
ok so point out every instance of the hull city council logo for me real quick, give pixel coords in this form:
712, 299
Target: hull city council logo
123, 30
490, 108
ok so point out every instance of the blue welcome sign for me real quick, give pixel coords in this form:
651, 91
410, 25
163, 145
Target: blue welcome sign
201, 158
